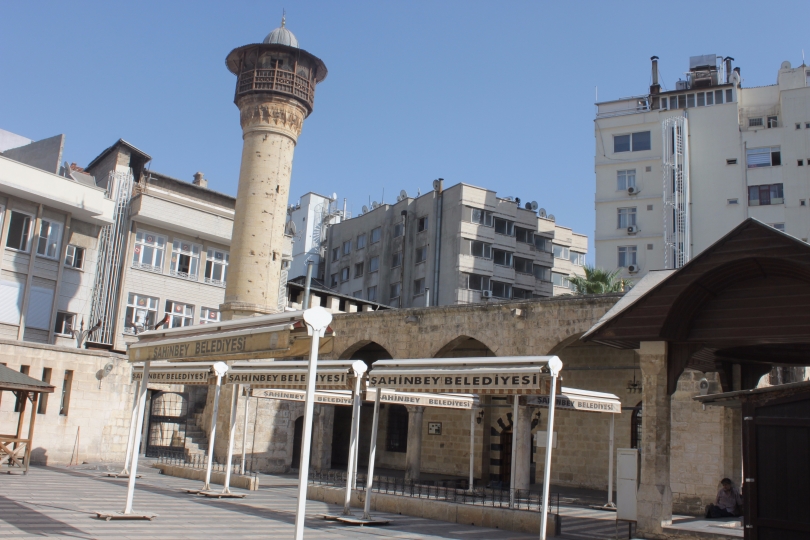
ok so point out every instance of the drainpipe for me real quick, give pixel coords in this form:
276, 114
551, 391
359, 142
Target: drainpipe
404, 214
438, 241
307, 283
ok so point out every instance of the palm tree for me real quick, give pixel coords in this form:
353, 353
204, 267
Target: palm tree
599, 281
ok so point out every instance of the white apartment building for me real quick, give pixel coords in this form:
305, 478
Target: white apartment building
308, 223
678, 169
459, 245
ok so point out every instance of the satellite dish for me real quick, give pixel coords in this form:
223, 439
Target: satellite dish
403, 194
534, 205
528, 206
108, 368
542, 212
365, 208
551, 217
374, 204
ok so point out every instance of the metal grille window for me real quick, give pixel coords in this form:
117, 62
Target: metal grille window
421, 254
179, 314
396, 437
504, 226
185, 260
347, 247
561, 252
627, 256
376, 235
421, 224
50, 234
396, 259
755, 122
65, 323
373, 264
141, 312
371, 294
418, 286
74, 257
523, 266
361, 241
358, 270
19, 231
626, 217
765, 195
625, 179
476, 282
502, 258
149, 250
216, 267
209, 315
543, 273
560, 280
501, 289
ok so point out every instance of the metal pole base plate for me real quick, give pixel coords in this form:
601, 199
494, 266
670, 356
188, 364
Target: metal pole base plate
220, 495
120, 475
350, 520
107, 516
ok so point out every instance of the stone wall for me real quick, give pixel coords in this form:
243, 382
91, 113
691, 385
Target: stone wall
96, 425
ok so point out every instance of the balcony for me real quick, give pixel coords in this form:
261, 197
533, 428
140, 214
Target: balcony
624, 106
276, 80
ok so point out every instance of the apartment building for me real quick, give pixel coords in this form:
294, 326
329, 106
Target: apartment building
677, 169
459, 245
307, 223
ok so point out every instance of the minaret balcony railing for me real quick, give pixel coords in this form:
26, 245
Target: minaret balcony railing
276, 80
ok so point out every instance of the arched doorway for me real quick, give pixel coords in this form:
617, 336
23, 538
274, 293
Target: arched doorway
167, 423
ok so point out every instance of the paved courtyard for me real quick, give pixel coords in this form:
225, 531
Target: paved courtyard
60, 502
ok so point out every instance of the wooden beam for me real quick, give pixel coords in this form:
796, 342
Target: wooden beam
31, 430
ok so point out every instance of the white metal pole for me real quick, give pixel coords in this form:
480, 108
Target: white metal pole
372, 454
218, 368
244, 428
472, 447
132, 424
554, 365
317, 320
514, 452
610, 462
136, 444
232, 434
350, 473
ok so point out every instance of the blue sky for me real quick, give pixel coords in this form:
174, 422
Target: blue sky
495, 94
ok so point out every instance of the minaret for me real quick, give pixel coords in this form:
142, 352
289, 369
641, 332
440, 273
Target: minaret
275, 92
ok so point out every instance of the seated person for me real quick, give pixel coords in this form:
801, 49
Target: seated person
728, 502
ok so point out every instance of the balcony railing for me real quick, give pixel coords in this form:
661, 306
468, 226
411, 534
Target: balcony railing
276, 80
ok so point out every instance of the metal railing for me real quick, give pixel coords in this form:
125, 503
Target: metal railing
200, 461
446, 490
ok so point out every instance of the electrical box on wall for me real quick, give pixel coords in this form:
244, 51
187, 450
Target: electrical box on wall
627, 476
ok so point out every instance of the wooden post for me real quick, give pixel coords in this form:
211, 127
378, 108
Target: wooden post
31, 431
23, 400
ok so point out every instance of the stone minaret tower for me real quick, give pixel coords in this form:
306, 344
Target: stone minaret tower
275, 92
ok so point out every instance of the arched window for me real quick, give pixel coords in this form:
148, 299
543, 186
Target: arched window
635, 428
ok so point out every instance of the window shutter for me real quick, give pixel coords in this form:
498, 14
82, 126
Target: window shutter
759, 157
10, 302
39, 308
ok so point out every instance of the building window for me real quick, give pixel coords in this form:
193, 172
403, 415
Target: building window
522, 294
627, 217
395, 290
627, 256
396, 437
701, 99
577, 258
418, 286
798, 125
42, 408
543, 273
709, 98
764, 157
149, 250
209, 315
800, 162
504, 226
732, 161
358, 294
778, 226
502, 258
501, 289
376, 234
344, 274
74, 257
690, 100
525, 236
335, 254
422, 224
634, 142
358, 270
560, 280
765, 195
334, 280
67, 384
179, 314
561, 252
542, 243
50, 234
755, 122
476, 282
523, 266
185, 261
421, 254
399, 229
718, 97
477, 216
396, 259
216, 267
477, 248
728, 96
141, 312
361, 241
373, 264
19, 231
65, 323
625, 179
347, 247
371, 294
664, 104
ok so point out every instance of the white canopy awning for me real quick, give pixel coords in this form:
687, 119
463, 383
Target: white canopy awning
445, 401
333, 397
507, 375
291, 374
198, 373
582, 400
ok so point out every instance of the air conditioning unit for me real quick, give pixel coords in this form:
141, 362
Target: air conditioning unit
632, 190
633, 268
486, 294
632, 229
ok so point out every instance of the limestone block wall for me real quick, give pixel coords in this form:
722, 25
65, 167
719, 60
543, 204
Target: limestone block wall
449, 453
96, 425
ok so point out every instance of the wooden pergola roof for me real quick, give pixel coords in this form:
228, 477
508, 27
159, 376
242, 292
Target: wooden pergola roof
744, 300
16, 381
15, 448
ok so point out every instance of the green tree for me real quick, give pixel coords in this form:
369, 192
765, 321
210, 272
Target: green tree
599, 281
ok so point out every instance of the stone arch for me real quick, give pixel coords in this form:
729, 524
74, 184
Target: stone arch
463, 347
570, 340
367, 351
